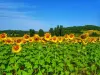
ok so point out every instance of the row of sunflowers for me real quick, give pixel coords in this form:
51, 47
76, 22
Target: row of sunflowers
16, 42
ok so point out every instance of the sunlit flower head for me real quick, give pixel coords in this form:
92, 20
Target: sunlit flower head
47, 36
84, 36
3, 36
42, 39
18, 41
16, 48
31, 39
54, 39
66, 36
24, 41
92, 40
71, 36
9, 41
26, 37
60, 39
36, 38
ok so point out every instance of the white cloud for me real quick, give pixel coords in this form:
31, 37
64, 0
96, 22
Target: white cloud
16, 5
14, 19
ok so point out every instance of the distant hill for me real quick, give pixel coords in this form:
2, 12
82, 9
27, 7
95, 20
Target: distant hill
59, 30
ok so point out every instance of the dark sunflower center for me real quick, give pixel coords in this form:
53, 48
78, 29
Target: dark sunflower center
47, 36
83, 36
19, 40
3, 36
71, 36
16, 47
8, 41
36, 38
54, 38
26, 37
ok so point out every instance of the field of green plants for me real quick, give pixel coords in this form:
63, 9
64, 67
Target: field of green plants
51, 59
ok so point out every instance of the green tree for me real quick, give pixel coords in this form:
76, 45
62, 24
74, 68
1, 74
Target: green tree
61, 30
57, 30
51, 31
41, 32
32, 32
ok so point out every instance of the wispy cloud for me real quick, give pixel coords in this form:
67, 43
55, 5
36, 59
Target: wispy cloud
16, 16
15, 6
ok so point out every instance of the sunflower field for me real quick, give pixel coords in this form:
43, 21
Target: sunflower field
50, 55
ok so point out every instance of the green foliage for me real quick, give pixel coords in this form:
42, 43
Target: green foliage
94, 34
63, 59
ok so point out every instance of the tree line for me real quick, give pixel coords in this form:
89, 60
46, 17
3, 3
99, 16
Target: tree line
59, 30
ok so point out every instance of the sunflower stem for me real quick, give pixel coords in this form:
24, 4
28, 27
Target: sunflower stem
15, 63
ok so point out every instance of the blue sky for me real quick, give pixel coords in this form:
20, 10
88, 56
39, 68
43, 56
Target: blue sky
43, 14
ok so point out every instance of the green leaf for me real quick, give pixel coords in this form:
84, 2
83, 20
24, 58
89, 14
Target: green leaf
24, 73
43, 70
39, 73
54, 64
9, 68
93, 67
2, 66
30, 71
59, 68
67, 72
41, 62
27, 57
36, 62
50, 69
32, 60
48, 60
12, 60
72, 73
62, 73
61, 64
36, 66
28, 65
19, 72
88, 73
8, 73
71, 68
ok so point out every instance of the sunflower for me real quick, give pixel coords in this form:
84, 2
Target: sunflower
36, 38
31, 39
26, 37
0, 37
42, 39
71, 36
54, 39
60, 39
47, 36
92, 40
18, 41
16, 48
3, 36
84, 36
24, 41
9, 41
66, 36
